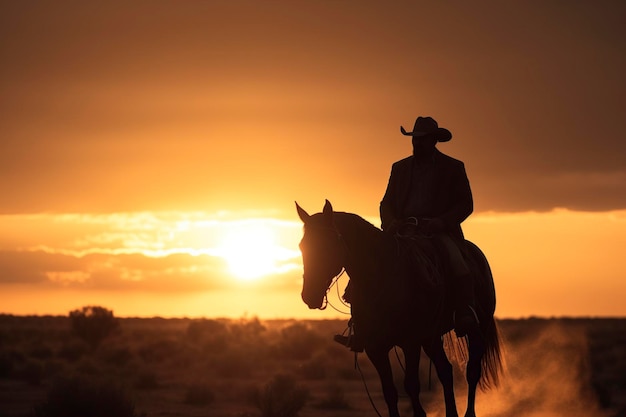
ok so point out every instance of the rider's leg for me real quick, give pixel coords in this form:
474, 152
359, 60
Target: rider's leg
465, 317
354, 338
462, 280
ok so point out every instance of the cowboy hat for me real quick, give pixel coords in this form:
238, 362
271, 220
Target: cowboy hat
428, 126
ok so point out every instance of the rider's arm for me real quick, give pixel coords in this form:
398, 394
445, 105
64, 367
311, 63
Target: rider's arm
388, 206
462, 202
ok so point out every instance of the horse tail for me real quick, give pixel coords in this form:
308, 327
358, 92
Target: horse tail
491, 362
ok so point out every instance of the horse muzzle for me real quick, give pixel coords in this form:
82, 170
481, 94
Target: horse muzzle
313, 301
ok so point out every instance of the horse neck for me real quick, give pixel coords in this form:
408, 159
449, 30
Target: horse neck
363, 242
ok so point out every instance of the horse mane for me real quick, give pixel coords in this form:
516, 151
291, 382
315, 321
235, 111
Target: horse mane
350, 224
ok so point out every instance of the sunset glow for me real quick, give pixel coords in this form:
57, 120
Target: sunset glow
195, 263
151, 154
251, 251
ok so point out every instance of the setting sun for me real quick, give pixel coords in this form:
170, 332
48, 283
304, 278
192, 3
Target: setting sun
250, 251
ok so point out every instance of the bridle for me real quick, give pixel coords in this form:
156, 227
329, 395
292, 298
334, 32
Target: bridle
334, 280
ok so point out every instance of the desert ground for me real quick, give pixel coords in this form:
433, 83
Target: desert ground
249, 367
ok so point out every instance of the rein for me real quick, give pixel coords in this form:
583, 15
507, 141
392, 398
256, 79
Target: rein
334, 283
335, 279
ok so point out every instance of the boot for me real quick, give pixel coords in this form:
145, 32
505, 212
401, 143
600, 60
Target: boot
353, 340
465, 317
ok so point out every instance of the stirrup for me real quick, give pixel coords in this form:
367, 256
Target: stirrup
342, 340
350, 341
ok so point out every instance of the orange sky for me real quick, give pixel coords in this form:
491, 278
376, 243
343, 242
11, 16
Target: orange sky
122, 123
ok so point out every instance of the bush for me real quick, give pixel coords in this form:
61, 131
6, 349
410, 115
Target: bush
206, 328
313, 369
40, 351
118, 355
31, 371
7, 363
73, 350
299, 342
147, 380
199, 394
160, 350
335, 399
247, 330
236, 363
93, 324
281, 397
80, 397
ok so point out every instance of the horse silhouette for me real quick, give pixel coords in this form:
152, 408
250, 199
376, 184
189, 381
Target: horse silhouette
401, 301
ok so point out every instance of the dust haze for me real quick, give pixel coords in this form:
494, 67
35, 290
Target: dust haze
547, 374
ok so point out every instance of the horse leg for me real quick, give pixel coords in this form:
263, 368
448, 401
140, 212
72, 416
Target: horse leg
380, 359
476, 346
444, 371
412, 378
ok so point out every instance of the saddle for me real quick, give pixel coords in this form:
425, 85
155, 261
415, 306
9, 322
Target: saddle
420, 256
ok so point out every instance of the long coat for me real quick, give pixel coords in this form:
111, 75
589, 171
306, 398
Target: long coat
450, 194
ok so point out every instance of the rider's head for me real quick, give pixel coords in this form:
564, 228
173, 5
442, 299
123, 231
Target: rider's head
426, 133
423, 145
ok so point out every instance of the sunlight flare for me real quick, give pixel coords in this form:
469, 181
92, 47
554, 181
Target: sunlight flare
251, 251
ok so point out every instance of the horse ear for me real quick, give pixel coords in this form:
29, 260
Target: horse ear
304, 216
328, 210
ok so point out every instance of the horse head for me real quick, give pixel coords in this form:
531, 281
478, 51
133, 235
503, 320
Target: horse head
323, 254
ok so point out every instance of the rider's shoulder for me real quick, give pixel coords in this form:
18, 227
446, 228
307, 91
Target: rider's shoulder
403, 162
448, 159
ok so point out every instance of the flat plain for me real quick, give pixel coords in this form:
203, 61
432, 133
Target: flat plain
249, 367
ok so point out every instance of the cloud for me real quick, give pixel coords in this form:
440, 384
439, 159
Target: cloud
158, 114
179, 272
30, 267
157, 252
129, 272
543, 191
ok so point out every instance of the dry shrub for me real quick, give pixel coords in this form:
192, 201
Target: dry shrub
247, 329
40, 350
236, 363
79, 397
55, 367
313, 369
199, 394
299, 342
202, 329
30, 371
93, 324
335, 399
146, 380
347, 373
281, 397
116, 355
73, 350
8, 361
159, 350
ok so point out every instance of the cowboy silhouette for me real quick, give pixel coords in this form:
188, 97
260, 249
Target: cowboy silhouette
429, 194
